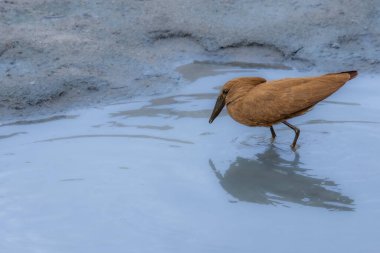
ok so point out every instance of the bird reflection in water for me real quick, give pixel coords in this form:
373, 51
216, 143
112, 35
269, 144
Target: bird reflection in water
271, 179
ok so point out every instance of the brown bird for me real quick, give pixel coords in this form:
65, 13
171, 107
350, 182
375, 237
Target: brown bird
254, 101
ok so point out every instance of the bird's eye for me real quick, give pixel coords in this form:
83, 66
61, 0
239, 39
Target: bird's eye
225, 92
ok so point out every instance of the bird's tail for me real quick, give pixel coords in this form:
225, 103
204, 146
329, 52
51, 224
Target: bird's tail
352, 73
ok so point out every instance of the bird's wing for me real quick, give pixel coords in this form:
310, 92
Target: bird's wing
282, 99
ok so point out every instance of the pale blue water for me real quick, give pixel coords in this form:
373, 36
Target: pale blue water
152, 175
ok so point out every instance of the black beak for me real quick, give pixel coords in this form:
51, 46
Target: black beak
220, 102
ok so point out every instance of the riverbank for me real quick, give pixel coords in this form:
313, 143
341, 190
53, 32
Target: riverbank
58, 55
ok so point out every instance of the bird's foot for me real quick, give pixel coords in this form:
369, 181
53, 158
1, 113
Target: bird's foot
294, 147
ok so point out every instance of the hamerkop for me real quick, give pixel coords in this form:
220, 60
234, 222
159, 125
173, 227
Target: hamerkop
254, 101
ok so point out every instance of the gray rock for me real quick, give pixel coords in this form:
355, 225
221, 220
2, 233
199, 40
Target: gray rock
335, 45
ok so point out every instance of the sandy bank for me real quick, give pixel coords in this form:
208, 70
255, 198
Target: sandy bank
58, 54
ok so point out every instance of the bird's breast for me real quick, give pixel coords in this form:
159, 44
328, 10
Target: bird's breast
249, 116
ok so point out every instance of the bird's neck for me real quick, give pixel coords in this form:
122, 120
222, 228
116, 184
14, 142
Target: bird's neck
237, 93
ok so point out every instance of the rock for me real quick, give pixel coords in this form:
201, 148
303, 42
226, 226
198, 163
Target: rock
335, 45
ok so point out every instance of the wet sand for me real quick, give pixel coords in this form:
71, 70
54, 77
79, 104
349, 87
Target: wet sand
60, 55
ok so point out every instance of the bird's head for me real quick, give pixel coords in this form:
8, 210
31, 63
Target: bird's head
232, 91
221, 100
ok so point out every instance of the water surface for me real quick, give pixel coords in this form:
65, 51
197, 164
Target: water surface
152, 175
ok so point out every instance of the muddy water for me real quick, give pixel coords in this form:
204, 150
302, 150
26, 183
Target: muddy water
152, 175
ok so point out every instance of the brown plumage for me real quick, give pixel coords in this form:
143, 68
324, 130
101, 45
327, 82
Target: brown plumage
253, 101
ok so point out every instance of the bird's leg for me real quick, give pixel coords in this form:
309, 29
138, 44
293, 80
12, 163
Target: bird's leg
296, 130
272, 132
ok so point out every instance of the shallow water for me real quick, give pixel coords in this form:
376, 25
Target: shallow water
152, 175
